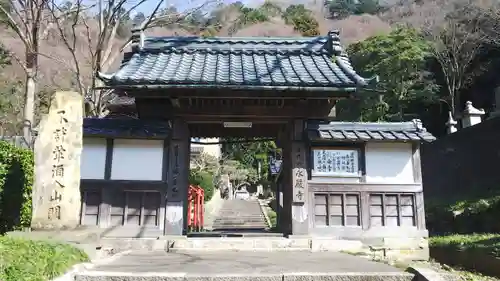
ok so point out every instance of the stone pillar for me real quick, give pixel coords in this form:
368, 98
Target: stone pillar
471, 115
451, 124
178, 179
58, 148
496, 113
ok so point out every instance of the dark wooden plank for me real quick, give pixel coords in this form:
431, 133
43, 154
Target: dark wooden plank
109, 159
122, 184
200, 92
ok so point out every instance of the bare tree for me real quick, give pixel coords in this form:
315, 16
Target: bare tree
205, 162
30, 22
100, 42
456, 42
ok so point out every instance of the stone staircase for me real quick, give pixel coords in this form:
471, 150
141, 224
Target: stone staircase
240, 215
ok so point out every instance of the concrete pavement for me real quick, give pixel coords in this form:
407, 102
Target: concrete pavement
223, 262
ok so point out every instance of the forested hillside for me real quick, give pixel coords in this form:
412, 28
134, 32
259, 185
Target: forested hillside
431, 55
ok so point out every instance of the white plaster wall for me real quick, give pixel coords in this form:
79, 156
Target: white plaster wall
389, 163
137, 159
93, 158
211, 149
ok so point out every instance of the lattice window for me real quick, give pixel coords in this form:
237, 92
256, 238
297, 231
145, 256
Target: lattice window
137, 208
336, 209
392, 210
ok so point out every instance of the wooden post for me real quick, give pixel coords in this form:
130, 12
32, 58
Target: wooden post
417, 176
299, 179
285, 184
178, 179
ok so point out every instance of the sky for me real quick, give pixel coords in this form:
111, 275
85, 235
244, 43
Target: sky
183, 5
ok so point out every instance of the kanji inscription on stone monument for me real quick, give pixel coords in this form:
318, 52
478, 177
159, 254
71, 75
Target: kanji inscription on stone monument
58, 147
299, 176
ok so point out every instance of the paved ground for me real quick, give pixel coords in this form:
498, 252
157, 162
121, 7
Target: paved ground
242, 263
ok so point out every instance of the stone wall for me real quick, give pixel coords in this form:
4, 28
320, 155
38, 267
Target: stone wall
479, 260
463, 163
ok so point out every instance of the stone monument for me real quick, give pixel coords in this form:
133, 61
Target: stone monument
58, 148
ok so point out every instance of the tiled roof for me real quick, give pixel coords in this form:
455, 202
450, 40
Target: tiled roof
303, 62
124, 127
116, 103
365, 132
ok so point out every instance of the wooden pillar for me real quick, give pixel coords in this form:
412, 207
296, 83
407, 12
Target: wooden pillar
299, 179
106, 194
286, 187
295, 191
419, 196
283, 199
178, 179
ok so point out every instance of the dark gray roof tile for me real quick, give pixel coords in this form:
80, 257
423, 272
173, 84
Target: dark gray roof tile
124, 128
363, 132
252, 62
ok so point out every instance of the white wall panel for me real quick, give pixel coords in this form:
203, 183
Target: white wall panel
135, 159
93, 159
389, 163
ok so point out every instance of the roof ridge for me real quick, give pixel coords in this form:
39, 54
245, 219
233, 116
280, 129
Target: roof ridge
240, 40
414, 124
207, 50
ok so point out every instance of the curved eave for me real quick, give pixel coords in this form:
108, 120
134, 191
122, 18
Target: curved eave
325, 141
111, 83
345, 65
230, 86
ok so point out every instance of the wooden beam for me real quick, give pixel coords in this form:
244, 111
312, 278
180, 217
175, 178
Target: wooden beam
257, 112
158, 108
218, 130
322, 94
363, 187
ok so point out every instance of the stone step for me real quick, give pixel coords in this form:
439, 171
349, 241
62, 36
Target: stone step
242, 227
239, 223
224, 217
240, 244
162, 276
227, 224
265, 243
240, 214
237, 220
221, 227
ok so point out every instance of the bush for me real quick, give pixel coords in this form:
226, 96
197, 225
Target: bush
205, 181
16, 183
464, 216
273, 218
487, 242
27, 260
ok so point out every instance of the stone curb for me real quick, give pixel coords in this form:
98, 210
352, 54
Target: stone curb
263, 210
425, 274
302, 276
180, 250
84, 267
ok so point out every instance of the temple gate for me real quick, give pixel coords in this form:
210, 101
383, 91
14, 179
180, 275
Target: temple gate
281, 88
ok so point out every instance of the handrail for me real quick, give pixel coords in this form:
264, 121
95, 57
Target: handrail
196, 202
